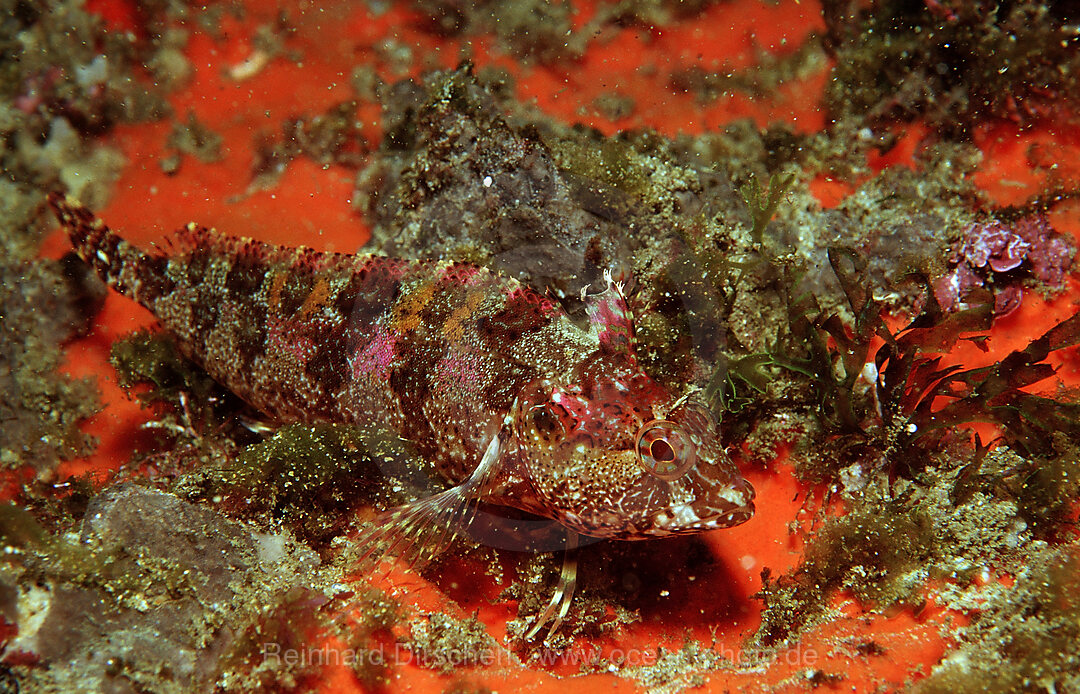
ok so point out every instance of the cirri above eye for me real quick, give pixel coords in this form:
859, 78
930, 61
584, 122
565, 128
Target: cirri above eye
665, 450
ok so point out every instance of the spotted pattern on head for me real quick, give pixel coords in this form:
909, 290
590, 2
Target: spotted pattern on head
619, 457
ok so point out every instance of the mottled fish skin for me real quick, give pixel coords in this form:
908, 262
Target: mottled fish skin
451, 356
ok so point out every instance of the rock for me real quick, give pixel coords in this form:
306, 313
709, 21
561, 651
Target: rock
173, 585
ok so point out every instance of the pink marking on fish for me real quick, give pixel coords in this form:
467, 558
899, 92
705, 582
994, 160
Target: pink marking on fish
376, 358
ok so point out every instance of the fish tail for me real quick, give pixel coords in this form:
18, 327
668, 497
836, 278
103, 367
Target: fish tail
123, 266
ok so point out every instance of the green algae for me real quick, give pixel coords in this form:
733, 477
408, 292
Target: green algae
332, 137
41, 408
869, 551
676, 670
764, 203
1027, 639
64, 79
953, 65
916, 492
26, 540
194, 138
545, 32
292, 640
313, 478
445, 644
153, 358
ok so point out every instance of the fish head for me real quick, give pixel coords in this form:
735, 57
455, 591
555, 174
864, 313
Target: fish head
613, 454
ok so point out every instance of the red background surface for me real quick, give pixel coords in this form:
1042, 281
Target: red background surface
311, 204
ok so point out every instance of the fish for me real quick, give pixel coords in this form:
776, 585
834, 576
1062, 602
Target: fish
492, 382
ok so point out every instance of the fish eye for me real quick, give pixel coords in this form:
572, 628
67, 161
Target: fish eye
549, 421
664, 450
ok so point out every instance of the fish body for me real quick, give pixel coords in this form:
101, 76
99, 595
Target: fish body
513, 402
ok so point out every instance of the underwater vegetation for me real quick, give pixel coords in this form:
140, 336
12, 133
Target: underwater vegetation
952, 64
833, 341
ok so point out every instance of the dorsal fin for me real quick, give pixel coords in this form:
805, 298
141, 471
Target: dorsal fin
195, 240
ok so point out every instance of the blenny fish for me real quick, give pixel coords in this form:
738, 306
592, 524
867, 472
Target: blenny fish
490, 380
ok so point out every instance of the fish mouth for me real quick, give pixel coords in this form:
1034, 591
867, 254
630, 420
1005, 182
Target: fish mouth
725, 507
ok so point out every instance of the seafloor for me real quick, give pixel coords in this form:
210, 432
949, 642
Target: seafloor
851, 225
